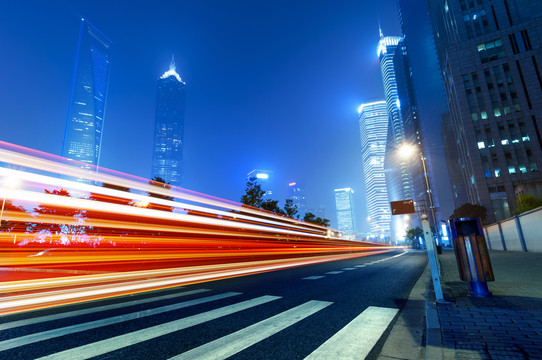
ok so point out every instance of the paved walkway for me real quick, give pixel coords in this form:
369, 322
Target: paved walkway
505, 326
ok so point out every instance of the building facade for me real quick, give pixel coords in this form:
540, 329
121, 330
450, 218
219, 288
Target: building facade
296, 193
344, 204
490, 57
167, 159
373, 126
84, 124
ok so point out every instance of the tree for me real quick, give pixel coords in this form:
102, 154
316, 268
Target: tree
68, 234
253, 194
160, 182
412, 236
271, 205
289, 208
8, 225
310, 217
527, 202
469, 210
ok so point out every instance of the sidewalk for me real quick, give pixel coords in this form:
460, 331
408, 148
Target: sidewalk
505, 326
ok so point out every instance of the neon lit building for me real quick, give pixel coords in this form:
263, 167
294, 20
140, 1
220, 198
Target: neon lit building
373, 126
346, 220
167, 159
84, 124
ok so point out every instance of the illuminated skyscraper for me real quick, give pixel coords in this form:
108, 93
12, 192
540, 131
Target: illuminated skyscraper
167, 159
346, 220
265, 179
373, 126
84, 125
297, 193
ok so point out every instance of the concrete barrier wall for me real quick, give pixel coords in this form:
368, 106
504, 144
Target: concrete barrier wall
519, 233
531, 224
493, 237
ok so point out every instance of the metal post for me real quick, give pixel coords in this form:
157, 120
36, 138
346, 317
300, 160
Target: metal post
430, 194
433, 261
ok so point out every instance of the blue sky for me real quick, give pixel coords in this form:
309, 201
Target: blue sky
270, 84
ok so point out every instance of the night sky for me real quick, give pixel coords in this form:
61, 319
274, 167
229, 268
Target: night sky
271, 85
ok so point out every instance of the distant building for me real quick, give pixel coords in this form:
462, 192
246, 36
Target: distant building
297, 193
84, 124
318, 212
373, 125
491, 64
167, 159
344, 204
265, 179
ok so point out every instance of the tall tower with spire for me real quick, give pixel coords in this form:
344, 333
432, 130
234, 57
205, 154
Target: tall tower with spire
167, 159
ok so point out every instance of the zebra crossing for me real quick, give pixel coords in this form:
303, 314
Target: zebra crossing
64, 334
358, 337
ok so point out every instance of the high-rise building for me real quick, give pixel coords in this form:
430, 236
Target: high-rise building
265, 179
84, 124
491, 61
344, 203
296, 192
373, 126
405, 177
167, 159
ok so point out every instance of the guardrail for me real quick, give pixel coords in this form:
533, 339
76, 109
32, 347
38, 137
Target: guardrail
522, 232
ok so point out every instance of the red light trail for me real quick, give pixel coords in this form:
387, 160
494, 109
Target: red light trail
71, 235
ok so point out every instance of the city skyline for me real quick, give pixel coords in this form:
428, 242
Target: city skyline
236, 113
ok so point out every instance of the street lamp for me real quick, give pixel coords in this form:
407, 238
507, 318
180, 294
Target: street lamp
406, 151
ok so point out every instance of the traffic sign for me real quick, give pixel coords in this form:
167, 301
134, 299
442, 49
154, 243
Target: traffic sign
402, 207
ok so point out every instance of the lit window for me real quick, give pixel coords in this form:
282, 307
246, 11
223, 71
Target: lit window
481, 145
483, 114
497, 112
526, 138
515, 141
488, 174
505, 142
497, 172
511, 170
522, 169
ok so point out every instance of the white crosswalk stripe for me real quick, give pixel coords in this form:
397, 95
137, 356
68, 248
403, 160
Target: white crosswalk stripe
50, 334
231, 344
91, 310
118, 342
357, 339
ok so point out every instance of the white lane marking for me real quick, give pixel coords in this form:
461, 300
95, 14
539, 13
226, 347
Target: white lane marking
68, 314
377, 261
362, 265
313, 277
122, 341
348, 269
49, 334
334, 272
231, 344
358, 337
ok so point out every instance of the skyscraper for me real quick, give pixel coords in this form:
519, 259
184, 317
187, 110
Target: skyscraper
405, 177
344, 203
490, 61
265, 179
296, 192
373, 126
84, 124
167, 159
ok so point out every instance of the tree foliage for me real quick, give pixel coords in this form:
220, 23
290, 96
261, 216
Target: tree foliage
412, 236
310, 217
469, 210
7, 224
527, 202
289, 208
253, 194
160, 182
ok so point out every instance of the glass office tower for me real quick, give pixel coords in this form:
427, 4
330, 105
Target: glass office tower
167, 159
344, 203
296, 192
84, 125
373, 125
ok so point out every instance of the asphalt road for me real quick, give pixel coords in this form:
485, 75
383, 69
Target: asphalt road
287, 314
